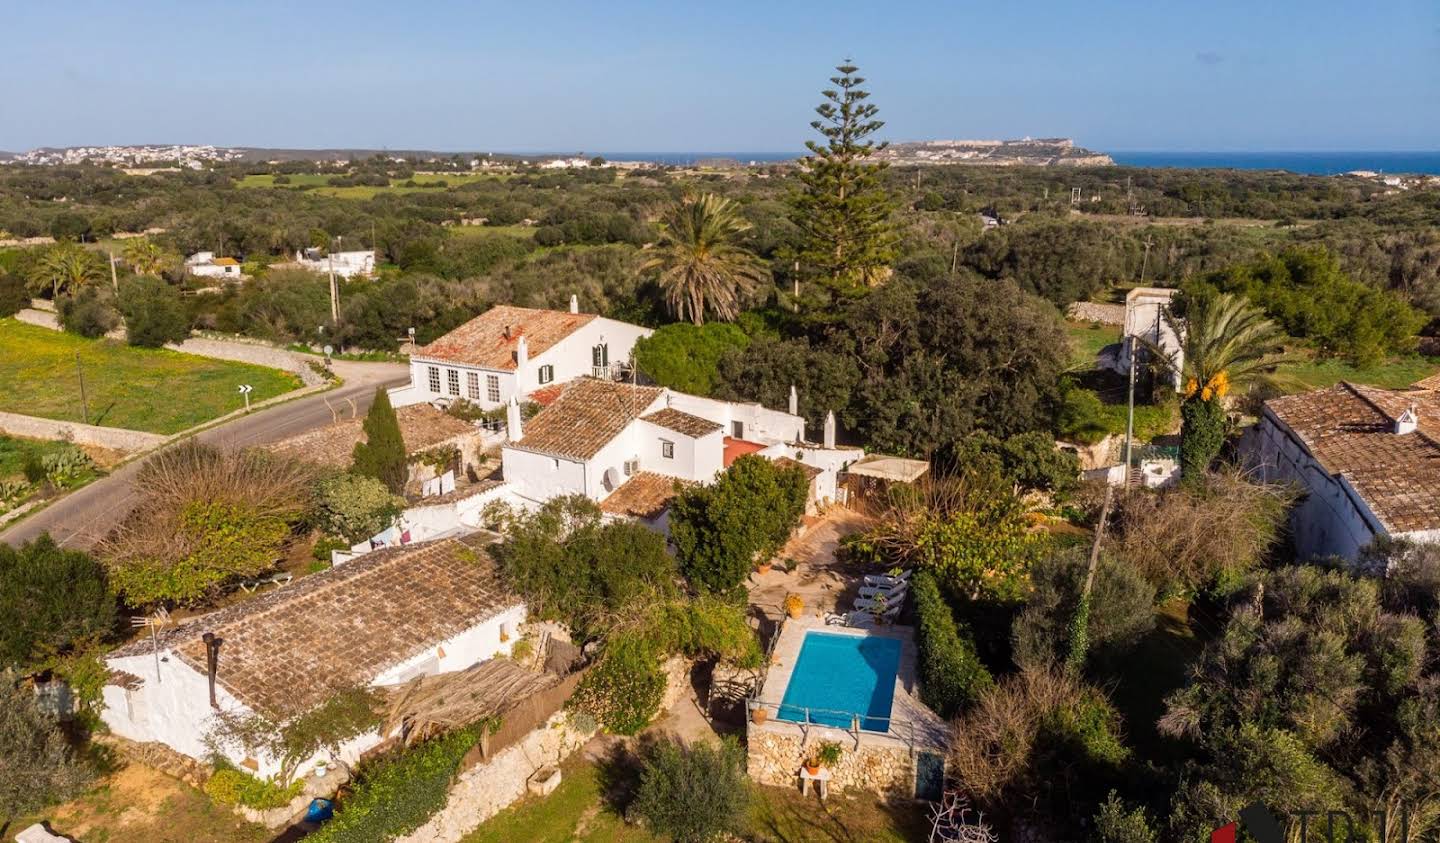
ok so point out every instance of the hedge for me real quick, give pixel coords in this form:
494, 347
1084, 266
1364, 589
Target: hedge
951, 675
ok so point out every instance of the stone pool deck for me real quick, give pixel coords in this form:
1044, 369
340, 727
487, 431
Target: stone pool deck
884, 762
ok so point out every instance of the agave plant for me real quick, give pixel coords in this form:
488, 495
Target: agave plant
702, 267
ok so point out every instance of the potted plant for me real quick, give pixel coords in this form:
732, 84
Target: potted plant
758, 714
823, 754
794, 605
764, 567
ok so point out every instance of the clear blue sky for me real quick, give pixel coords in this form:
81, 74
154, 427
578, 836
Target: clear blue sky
742, 76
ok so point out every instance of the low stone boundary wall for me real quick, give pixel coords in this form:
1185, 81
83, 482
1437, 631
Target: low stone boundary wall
486, 789
1090, 311
115, 438
246, 352
889, 771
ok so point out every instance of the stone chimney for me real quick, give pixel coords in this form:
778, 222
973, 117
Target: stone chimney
574, 303
794, 401
212, 662
522, 353
513, 430
1408, 421
829, 440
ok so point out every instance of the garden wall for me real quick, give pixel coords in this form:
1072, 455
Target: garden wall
115, 438
774, 758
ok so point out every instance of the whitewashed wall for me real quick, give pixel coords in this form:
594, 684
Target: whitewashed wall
761, 425
541, 477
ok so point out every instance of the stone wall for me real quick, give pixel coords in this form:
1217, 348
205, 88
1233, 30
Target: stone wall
259, 354
1089, 311
774, 758
115, 438
486, 789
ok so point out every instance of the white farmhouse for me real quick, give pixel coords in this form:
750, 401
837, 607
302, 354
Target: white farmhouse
1145, 312
510, 352
1368, 460
382, 619
206, 265
343, 264
625, 446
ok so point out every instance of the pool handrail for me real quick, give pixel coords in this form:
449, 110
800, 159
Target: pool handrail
857, 720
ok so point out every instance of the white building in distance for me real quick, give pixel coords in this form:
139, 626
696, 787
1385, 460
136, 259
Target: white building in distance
206, 265
344, 264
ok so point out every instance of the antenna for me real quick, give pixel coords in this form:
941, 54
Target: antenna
154, 622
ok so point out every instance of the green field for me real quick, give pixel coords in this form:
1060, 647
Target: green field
1395, 373
1086, 340
154, 390
319, 183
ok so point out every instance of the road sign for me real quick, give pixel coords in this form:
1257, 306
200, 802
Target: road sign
245, 390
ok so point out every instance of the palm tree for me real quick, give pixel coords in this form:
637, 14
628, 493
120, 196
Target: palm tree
1228, 346
144, 257
69, 266
702, 267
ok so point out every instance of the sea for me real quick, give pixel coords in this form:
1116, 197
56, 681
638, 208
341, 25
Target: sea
1306, 162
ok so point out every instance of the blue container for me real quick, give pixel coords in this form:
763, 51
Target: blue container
319, 811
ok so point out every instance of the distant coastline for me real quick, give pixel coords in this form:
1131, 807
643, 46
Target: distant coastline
1316, 163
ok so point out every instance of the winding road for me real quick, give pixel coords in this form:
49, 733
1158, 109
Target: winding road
82, 517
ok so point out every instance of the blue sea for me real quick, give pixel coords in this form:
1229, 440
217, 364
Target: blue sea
1310, 163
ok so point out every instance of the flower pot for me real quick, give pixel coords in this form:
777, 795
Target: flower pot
795, 611
758, 715
321, 769
764, 567
812, 769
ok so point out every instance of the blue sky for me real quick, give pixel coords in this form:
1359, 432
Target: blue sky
742, 76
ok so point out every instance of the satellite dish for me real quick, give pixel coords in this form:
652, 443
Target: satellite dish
611, 479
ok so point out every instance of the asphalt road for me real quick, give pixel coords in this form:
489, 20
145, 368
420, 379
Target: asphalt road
82, 517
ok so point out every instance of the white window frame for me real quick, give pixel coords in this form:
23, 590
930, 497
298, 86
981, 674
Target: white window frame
547, 374
737, 429
492, 388
667, 449
452, 382
434, 373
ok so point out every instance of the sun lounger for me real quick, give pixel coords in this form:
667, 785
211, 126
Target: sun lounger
891, 592
888, 580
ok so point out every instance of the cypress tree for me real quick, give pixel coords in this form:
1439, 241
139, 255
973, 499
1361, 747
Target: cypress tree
382, 454
843, 210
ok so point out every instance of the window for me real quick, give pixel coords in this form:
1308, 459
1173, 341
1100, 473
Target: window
435, 379
492, 388
667, 449
452, 380
737, 429
600, 355
632, 466
547, 373
472, 386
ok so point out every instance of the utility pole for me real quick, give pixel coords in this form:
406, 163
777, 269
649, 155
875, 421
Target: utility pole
334, 288
1130, 415
84, 402
1145, 261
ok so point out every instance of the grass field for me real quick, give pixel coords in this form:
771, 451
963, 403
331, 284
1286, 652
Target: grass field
319, 184
1395, 373
1086, 340
14, 452
154, 390
577, 811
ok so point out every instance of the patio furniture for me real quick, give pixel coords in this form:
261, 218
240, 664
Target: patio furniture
891, 592
889, 580
820, 778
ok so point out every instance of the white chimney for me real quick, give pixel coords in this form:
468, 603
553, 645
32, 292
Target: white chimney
522, 354
574, 303
1408, 421
794, 401
830, 429
512, 420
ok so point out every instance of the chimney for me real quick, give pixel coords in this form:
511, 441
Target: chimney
1408, 421
212, 661
512, 420
522, 353
794, 401
574, 303
830, 429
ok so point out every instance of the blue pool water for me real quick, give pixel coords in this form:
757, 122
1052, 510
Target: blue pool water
839, 675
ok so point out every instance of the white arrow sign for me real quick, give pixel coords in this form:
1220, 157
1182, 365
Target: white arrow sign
245, 390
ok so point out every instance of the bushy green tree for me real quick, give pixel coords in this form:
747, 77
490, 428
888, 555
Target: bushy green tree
13, 295
951, 675
382, 455
52, 598
37, 766
767, 367
692, 793
154, 314
355, 507
842, 209
687, 357
1121, 609
89, 312
722, 530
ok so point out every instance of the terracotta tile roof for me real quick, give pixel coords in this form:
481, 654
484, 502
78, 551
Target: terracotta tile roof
586, 416
1349, 430
1432, 383
737, 448
645, 495
811, 471
483, 341
682, 423
546, 395
285, 652
421, 426
225, 262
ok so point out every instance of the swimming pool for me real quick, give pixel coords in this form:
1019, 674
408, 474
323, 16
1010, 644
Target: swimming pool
837, 676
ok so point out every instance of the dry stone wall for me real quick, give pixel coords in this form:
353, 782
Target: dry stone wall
774, 758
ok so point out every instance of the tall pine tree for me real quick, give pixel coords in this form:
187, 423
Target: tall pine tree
382, 454
843, 210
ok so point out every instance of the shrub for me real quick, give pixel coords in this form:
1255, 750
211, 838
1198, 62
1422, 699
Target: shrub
1117, 823
229, 786
354, 507
687, 357
344, 715
50, 599
66, 467
382, 455
37, 766
1121, 610
154, 313
951, 675
88, 312
13, 295
720, 531
206, 517
623, 690
692, 793
396, 794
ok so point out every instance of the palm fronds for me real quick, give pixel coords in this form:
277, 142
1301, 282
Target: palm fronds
702, 268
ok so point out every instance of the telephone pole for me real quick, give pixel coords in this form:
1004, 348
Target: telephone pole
1145, 261
84, 402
